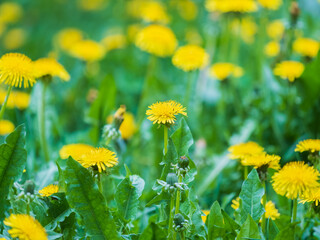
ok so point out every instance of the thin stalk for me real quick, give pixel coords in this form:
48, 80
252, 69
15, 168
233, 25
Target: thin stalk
165, 139
4, 105
267, 230
177, 208
189, 88
245, 172
182, 235
264, 201
42, 120
294, 210
28, 207
100, 182
171, 217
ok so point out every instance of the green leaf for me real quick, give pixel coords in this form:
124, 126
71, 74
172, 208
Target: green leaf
215, 222
230, 226
153, 232
127, 196
171, 156
287, 233
249, 230
85, 198
13, 157
250, 195
182, 138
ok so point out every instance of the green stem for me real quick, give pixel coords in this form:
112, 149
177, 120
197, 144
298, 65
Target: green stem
4, 105
177, 208
182, 235
100, 182
189, 89
264, 201
42, 126
171, 217
294, 210
165, 139
245, 172
267, 230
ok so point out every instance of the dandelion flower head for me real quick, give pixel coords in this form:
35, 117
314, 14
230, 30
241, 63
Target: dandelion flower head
87, 50
272, 49
50, 67
6, 127
271, 211
49, 190
222, 71
289, 70
225, 6
270, 4
262, 160
306, 47
313, 196
75, 150
243, 150
311, 145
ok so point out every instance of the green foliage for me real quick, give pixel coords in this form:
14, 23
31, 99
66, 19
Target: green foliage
13, 156
182, 138
84, 197
215, 222
249, 230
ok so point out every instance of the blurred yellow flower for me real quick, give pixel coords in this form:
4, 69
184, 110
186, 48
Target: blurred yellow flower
187, 9
87, 50
153, 12
270, 4
311, 145
222, 71
204, 217
16, 68
242, 150
165, 112
295, 179
235, 203
289, 70
10, 12
92, 5
49, 190
101, 158
128, 127
262, 160
50, 67
275, 29
272, 49
114, 41
6, 127
157, 40
306, 47
313, 196
190, 57
16, 99
67, 37
248, 30
75, 150
225, 6
192, 36
271, 211
132, 31
15, 38
25, 227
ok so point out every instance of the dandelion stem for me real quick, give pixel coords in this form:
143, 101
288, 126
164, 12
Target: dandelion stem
99, 182
294, 210
182, 235
165, 139
245, 172
189, 88
4, 105
264, 201
42, 120
171, 217
177, 208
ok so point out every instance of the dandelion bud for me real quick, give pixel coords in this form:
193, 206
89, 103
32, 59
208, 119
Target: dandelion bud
29, 187
172, 179
295, 12
183, 162
178, 220
119, 116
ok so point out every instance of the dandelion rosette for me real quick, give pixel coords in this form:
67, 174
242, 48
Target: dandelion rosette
243, 150
306, 47
6, 127
157, 40
311, 145
75, 150
271, 211
15, 69
165, 112
50, 67
190, 57
225, 6
295, 179
101, 158
25, 227
49, 190
289, 70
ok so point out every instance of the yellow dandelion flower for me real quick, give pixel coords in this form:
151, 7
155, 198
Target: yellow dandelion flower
243, 150
235, 203
66, 38
313, 196
157, 40
289, 70
248, 30
15, 38
165, 112
225, 6
262, 160
16, 68
222, 71
193, 37
16, 99
272, 49
6, 127
75, 150
128, 127
306, 47
275, 29
271, 211
270, 4
10, 12
295, 179
101, 158
187, 9
204, 217
190, 57
92, 5
87, 50
50, 67
49, 190
311, 145
153, 12
25, 227
114, 41
132, 31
